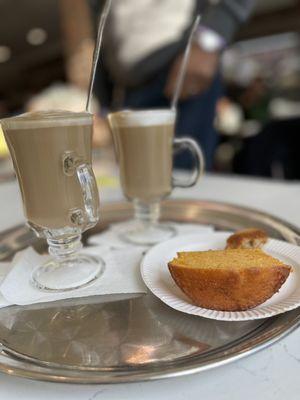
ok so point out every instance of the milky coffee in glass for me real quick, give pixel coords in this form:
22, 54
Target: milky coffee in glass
37, 142
145, 144
144, 148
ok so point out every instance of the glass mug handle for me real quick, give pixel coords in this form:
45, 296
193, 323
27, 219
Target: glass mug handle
199, 163
72, 164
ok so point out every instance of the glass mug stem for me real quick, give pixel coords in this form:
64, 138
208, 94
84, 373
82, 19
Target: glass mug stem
64, 248
146, 227
146, 213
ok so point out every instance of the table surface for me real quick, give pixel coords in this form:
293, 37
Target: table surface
271, 374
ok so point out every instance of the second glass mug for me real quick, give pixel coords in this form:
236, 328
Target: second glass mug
51, 153
145, 144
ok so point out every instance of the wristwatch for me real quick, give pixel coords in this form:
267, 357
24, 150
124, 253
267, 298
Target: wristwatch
209, 40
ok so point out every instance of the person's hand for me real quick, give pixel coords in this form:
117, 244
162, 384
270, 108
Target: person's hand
200, 71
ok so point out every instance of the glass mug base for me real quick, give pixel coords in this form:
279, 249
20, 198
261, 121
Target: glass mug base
63, 274
148, 235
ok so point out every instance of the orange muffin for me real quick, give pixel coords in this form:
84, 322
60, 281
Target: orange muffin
228, 280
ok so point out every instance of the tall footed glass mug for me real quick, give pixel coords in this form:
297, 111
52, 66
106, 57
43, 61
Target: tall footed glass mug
51, 153
145, 145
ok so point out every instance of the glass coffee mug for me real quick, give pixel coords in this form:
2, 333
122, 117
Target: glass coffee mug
51, 153
145, 144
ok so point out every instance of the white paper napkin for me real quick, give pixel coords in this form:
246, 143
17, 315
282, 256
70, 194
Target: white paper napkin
112, 237
121, 275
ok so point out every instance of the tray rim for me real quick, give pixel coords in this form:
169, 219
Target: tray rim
206, 202
27, 368
42, 373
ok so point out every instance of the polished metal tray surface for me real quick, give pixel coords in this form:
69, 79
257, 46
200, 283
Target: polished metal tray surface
107, 340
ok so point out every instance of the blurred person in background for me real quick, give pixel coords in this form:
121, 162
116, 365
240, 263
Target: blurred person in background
143, 49
266, 126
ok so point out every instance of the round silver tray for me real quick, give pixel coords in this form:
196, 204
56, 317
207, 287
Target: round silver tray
100, 340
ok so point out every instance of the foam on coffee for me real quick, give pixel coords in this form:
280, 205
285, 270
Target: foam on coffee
46, 119
145, 118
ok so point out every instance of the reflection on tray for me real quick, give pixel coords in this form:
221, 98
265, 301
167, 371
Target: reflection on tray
121, 333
